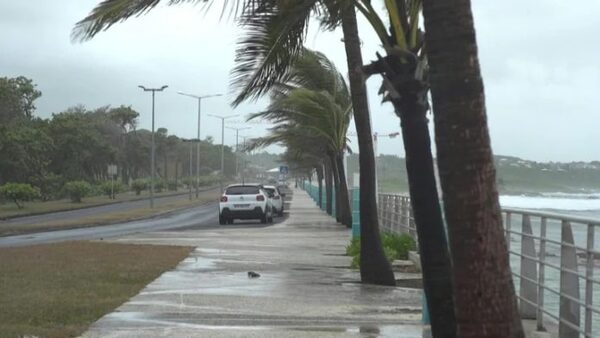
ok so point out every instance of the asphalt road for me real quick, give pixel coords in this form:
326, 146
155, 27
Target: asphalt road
204, 216
81, 213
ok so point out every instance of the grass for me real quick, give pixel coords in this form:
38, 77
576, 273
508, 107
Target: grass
58, 290
109, 218
8, 210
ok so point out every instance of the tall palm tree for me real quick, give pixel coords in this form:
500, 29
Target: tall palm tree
275, 37
485, 304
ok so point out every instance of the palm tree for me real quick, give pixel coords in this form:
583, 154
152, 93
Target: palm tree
316, 96
485, 304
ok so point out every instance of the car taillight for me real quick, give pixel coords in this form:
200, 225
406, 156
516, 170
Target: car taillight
223, 198
260, 197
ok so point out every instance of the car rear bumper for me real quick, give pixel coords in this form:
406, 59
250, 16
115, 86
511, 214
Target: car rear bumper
255, 213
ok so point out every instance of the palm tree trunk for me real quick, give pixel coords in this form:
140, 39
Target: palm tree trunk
336, 188
433, 246
320, 184
343, 197
328, 188
374, 267
485, 300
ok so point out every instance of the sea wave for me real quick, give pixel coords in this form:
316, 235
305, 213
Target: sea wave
545, 202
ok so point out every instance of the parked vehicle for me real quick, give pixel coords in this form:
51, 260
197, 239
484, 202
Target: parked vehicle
245, 201
276, 199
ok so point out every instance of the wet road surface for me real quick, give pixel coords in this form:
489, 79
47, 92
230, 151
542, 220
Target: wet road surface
85, 212
201, 217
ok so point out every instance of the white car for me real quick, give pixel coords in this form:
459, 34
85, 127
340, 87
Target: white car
245, 201
276, 199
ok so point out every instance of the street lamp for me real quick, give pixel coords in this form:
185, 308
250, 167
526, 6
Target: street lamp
237, 131
199, 98
223, 118
153, 90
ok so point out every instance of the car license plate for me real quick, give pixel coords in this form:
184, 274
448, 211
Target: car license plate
241, 205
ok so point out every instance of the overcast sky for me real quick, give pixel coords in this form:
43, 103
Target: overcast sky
539, 61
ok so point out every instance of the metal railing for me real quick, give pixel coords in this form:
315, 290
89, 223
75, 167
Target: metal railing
553, 260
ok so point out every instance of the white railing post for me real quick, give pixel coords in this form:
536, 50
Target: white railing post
589, 283
541, 276
397, 200
569, 284
527, 288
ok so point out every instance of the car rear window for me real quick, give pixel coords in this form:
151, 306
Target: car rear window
270, 191
242, 190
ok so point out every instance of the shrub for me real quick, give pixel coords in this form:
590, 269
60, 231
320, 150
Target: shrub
139, 185
77, 190
353, 248
159, 185
172, 185
19, 193
49, 186
401, 243
110, 189
395, 246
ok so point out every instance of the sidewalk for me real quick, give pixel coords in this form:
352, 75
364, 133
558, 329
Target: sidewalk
305, 289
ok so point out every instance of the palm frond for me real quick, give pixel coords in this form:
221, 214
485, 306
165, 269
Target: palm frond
275, 38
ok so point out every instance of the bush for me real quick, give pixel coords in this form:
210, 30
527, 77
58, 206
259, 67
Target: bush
110, 189
159, 185
172, 185
77, 190
139, 185
353, 248
400, 243
19, 193
395, 246
49, 186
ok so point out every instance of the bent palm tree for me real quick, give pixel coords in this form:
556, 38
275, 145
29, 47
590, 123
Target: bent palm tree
315, 97
486, 303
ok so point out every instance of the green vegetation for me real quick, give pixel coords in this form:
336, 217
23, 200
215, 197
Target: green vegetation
395, 246
111, 189
58, 290
19, 193
515, 175
139, 185
78, 145
77, 190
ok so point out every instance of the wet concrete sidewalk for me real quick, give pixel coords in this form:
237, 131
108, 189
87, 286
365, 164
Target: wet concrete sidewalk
305, 289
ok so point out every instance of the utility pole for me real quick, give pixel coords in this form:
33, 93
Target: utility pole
237, 131
223, 118
153, 90
199, 98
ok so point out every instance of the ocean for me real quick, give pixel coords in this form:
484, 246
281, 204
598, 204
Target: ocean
585, 205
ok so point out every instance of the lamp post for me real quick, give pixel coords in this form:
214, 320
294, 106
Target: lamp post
153, 90
191, 142
223, 118
237, 131
199, 98
245, 160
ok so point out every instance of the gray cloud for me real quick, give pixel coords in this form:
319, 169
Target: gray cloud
539, 61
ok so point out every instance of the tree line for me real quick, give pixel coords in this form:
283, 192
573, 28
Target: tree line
78, 144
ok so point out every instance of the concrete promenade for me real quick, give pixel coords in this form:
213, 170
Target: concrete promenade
305, 288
